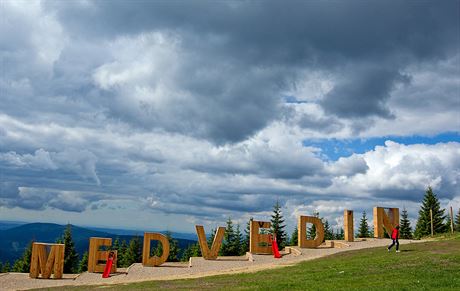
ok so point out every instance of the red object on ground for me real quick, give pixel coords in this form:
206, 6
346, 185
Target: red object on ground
108, 266
276, 252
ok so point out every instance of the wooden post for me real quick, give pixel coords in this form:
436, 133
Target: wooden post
451, 220
431, 217
348, 225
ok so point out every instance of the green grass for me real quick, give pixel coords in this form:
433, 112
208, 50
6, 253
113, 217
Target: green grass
432, 265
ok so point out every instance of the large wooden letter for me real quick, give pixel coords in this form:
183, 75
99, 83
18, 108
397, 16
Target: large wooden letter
97, 258
302, 232
43, 262
381, 220
210, 254
153, 261
259, 243
348, 225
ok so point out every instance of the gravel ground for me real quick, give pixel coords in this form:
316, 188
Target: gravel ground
199, 268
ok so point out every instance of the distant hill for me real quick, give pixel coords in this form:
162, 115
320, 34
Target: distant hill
13, 241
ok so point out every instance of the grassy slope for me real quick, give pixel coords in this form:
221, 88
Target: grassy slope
424, 266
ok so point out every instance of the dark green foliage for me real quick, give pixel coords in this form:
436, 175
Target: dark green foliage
457, 221
173, 248
245, 244
210, 239
363, 230
22, 265
1, 267
423, 227
238, 241
448, 221
295, 237
340, 234
70, 254
6, 267
278, 226
192, 250
230, 244
121, 261
133, 253
83, 265
328, 234
405, 230
311, 231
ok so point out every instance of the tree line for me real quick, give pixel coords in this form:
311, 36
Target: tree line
236, 243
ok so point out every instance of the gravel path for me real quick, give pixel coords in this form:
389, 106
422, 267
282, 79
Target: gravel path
199, 268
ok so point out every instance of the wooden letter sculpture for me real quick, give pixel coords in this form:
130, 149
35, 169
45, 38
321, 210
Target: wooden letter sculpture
43, 261
381, 220
302, 232
210, 254
259, 243
348, 225
96, 258
154, 261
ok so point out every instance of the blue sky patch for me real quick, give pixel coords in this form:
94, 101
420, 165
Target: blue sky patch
335, 148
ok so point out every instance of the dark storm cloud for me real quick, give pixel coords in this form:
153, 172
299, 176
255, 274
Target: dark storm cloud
254, 35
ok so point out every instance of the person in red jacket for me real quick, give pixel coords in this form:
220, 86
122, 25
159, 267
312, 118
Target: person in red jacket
395, 237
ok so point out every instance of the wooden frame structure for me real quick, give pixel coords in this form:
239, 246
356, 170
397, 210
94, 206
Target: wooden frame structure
382, 220
47, 259
259, 243
154, 261
97, 258
210, 254
303, 242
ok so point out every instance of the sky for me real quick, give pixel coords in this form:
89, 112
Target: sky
159, 115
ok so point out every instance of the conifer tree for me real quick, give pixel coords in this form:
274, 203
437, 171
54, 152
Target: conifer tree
278, 226
116, 245
187, 253
405, 230
448, 220
70, 254
210, 239
6, 267
1, 267
121, 262
295, 237
340, 234
22, 265
238, 241
173, 248
83, 265
457, 221
228, 244
363, 230
423, 227
311, 232
328, 234
133, 253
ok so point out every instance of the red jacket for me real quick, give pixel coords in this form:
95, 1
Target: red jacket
395, 233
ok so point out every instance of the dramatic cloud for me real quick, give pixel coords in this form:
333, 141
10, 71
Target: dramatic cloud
204, 110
